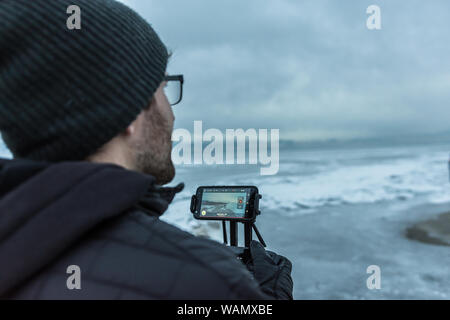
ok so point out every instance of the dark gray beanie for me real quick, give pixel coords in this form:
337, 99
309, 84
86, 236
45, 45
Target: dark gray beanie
65, 93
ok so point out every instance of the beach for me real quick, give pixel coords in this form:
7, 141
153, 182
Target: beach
435, 230
332, 251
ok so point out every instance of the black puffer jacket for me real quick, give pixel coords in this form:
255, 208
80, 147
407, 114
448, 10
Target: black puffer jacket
104, 219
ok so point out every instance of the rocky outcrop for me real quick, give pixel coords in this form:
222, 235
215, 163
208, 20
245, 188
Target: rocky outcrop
433, 231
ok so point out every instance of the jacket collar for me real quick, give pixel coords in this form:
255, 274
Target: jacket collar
157, 199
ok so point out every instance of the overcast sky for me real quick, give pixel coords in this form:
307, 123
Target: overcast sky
310, 68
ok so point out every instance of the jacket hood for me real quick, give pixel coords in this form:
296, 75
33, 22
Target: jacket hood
47, 207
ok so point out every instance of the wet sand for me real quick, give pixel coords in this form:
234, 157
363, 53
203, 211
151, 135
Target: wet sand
433, 231
331, 250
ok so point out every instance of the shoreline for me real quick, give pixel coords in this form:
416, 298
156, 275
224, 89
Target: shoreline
331, 249
434, 231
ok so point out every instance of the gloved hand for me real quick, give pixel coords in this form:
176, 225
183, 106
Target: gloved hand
271, 271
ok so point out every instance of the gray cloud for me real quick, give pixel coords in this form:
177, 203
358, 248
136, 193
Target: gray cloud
310, 68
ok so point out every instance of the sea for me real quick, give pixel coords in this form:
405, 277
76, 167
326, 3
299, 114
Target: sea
336, 209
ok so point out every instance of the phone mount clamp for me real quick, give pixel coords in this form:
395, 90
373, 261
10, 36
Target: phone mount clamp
249, 226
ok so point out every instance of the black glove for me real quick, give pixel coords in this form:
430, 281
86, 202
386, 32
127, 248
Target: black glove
271, 271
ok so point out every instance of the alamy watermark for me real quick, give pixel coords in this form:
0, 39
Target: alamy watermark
74, 20
236, 147
74, 280
374, 20
374, 280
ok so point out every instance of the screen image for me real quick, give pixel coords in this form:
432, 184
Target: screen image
219, 203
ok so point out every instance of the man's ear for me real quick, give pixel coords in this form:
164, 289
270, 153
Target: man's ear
134, 127
131, 129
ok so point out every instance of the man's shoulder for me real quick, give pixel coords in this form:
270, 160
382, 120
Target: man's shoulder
137, 228
142, 253
159, 236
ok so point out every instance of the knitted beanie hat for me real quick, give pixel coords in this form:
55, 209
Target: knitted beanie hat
65, 93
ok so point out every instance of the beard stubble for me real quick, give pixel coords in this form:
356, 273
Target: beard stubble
153, 150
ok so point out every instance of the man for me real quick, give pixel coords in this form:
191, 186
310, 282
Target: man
86, 117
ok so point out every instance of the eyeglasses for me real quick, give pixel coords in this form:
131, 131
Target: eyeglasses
174, 88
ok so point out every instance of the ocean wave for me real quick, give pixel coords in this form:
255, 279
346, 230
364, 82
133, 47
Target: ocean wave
395, 180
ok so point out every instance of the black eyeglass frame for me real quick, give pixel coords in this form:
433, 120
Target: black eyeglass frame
180, 78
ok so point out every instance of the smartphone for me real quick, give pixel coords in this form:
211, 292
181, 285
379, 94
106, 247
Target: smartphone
226, 203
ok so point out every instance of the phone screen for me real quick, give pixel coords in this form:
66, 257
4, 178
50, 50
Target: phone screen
224, 203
